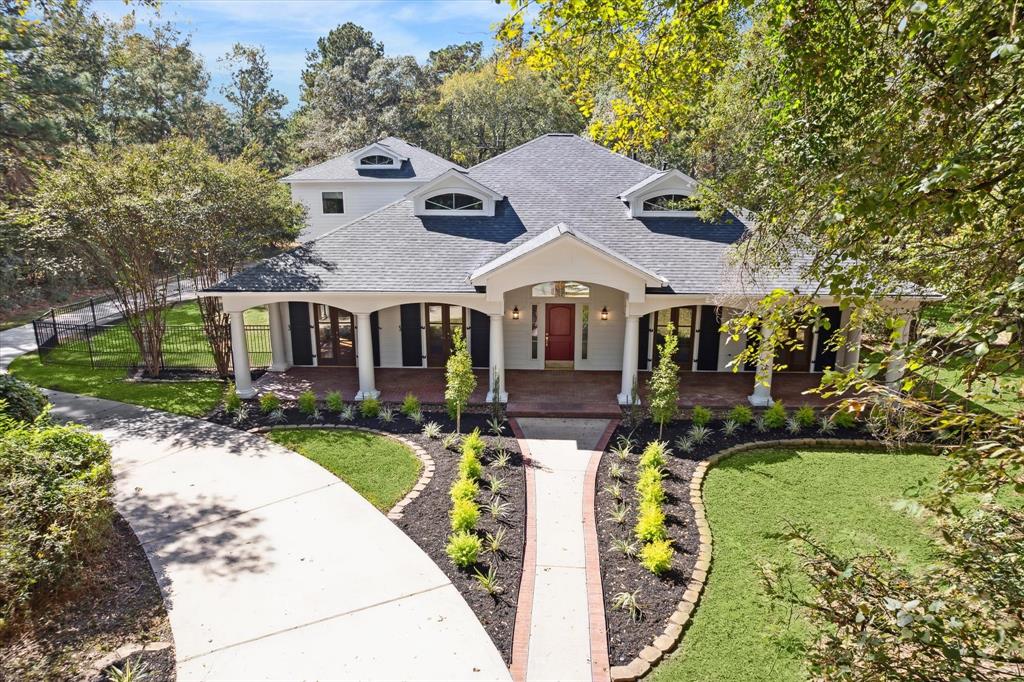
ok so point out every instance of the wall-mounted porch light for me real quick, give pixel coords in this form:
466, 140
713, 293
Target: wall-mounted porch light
515, 312
604, 313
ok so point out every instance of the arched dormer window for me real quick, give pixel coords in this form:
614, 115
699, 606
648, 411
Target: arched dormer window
376, 160
453, 201
670, 203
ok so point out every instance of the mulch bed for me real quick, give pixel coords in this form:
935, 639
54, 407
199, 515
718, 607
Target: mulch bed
425, 519
426, 522
114, 602
659, 596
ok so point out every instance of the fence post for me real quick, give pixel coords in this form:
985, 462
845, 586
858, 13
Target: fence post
92, 305
88, 342
53, 318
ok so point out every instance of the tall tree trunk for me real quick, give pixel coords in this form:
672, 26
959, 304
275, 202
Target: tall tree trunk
216, 323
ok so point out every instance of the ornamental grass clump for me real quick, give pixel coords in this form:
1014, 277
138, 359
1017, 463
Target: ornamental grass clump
775, 416
307, 402
410, 405
369, 408
269, 402
742, 415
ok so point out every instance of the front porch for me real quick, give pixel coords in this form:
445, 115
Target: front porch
542, 392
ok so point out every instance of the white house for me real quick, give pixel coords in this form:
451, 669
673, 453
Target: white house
558, 255
345, 188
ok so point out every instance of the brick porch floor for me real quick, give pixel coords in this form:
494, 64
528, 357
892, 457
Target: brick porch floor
541, 393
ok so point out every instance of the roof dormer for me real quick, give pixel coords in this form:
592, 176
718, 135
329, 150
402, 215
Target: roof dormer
454, 193
377, 156
668, 194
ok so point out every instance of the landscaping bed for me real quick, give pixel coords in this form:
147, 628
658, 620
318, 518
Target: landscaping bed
426, 518
113, 609
658, 596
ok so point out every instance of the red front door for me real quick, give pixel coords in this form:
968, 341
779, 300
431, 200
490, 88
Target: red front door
560, 332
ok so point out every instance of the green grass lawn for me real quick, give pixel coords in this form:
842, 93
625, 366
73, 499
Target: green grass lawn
1000, 395
69, 371
378, 468
846, 497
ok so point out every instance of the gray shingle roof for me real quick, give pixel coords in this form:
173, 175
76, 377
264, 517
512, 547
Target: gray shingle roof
420, 165
553, 179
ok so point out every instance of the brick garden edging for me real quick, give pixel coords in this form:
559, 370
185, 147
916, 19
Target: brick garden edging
397, 511
670, 638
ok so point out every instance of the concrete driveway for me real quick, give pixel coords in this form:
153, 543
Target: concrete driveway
271, 567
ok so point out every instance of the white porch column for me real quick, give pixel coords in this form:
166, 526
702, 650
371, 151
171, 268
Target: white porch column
497, 340
364, 357
278, 350
762, 395
897, 361
630, 352
240, 357
852, 359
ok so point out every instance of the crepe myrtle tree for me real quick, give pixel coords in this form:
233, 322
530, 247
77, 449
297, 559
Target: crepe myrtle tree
460, 382
663, 386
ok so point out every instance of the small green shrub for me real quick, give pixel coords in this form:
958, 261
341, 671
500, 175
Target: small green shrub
775, 416
656, 556
653, 455
410, 405
464, 489
20, 400
473, 442
844, 419
369, 408
470, 466
701, 416
805, 416
307, 402
463, 548
741, 414
465, 514
650, 524
334, 402
55, 508
650, 488
269, 402
231, 400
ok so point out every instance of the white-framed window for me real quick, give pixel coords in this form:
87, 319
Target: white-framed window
333, 202
453, 201
376, 160
561, 290
669, 205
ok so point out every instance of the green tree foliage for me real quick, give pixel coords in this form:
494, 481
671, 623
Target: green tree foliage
879, 143
142, 212
453, 59
335, 49
256, 123
663, 386
460, 382
481, 113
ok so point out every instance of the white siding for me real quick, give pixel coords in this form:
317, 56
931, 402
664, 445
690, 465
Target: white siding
605, 339
360, 198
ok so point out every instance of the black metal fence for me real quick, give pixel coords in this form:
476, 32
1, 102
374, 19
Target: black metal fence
99, 310
185, 346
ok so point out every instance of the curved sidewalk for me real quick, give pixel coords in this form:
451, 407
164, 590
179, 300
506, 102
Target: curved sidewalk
271, 567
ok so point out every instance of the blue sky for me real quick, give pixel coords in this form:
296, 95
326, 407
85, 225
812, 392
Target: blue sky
287, 28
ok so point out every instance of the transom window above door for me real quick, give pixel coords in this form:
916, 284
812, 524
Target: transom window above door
454, 201
560, 289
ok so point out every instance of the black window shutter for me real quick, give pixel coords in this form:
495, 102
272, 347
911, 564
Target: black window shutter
826, 357
480, 343
375, 337
755, 343
642, 362
412, 347
302, 344
707, 346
